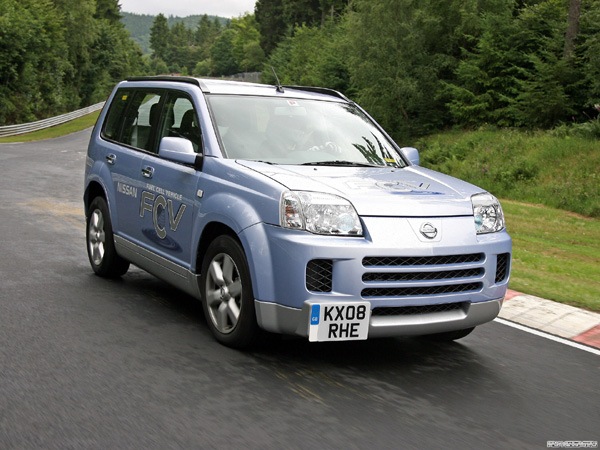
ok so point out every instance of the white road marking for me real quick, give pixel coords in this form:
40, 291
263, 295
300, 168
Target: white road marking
552, 337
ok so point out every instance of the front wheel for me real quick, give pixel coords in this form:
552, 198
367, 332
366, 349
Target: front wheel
100, 243
227, 296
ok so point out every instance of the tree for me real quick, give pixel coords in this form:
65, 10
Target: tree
398, 51
159, 37
80, 33
486, 78
179, 53
271, 24
589, 51
253, 57
221, 53
246, 48
203, 68
331, 8
113, 55
33, 60
277, 18
302, 12
60, 55
550, 86
109, 10
572, 29
314, 56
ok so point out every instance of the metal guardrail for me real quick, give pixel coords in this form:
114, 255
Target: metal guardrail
13, 130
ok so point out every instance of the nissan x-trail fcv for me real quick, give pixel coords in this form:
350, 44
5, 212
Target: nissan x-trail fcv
288, 209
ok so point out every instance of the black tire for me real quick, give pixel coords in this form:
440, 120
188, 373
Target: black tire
100, 242
227, 296
449, 335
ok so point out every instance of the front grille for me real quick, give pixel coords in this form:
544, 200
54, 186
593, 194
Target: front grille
421, 290
416, 310
422, 276
370, 261
319, 275
406, 276
502, 267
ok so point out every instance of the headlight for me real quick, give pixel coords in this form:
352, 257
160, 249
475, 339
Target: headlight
319, 213
488, 214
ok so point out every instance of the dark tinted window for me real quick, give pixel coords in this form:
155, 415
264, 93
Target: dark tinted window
141, 120
112, 129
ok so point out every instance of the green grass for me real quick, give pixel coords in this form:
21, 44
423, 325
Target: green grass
60, 130
556, 254
541, 167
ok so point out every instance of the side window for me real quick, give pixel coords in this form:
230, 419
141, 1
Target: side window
112, 126
141, 120
181, 120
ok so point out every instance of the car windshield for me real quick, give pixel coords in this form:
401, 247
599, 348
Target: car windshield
298, 131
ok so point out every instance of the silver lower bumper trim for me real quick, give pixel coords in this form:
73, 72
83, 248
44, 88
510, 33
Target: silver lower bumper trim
285, 320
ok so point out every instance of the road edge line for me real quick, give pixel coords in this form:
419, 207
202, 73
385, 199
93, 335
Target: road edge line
552, 337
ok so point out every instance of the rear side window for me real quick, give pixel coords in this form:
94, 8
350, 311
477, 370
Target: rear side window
133, 118
112, 128
141, 120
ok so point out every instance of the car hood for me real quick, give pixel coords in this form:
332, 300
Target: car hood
408, 192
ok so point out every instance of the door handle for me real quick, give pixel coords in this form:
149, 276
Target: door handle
111, 158
148, 171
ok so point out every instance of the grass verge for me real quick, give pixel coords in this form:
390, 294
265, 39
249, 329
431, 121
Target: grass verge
78, 124
540, 167
556, 254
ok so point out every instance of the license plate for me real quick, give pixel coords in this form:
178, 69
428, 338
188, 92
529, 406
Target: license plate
345, 321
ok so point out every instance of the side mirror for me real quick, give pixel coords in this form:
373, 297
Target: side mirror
180, 150
412, 154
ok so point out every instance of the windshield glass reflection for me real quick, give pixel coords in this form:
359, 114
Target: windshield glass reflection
297, 131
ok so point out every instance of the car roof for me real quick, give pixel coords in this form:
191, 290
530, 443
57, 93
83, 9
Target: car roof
230, 87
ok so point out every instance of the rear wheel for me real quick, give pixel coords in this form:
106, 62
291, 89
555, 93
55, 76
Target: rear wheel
449, 335
228, 300
100, 243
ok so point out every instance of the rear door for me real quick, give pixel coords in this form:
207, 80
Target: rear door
129, 130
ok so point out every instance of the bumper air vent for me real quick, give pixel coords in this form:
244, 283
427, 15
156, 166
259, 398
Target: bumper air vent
319, 273
502, 267
417, 310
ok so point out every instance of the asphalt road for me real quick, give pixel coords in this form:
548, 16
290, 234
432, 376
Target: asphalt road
92, 363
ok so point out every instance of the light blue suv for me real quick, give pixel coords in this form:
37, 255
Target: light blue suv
288, 209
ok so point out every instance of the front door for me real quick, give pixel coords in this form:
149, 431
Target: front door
169, 199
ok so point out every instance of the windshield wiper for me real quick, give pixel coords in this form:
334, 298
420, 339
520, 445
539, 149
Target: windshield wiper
261, 161
340, 163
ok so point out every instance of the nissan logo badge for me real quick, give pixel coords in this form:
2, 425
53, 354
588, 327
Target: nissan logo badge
428, 230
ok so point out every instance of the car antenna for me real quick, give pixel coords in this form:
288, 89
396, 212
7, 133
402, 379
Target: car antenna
279, 87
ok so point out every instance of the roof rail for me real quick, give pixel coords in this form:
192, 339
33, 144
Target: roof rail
320, 90
180, 79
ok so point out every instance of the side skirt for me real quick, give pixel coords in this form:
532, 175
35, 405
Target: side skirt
160, 267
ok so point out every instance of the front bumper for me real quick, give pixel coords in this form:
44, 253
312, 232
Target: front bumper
471, 287
281, 319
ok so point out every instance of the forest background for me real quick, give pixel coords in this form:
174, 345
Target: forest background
420, 67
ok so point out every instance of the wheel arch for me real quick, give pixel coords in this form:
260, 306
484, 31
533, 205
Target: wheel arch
211, 231
93, 190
